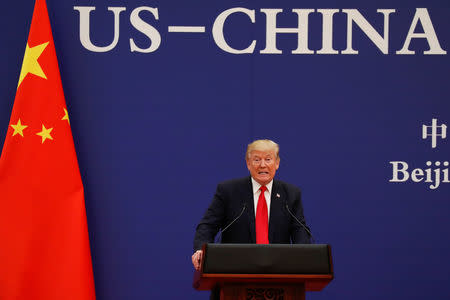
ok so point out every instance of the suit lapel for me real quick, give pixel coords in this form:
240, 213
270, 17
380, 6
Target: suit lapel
250, 209
275, 207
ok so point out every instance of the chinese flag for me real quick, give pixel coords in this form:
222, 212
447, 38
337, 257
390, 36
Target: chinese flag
44, 244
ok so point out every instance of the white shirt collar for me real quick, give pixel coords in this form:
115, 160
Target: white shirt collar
256, 186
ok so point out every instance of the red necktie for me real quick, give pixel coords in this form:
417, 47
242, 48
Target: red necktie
262, 219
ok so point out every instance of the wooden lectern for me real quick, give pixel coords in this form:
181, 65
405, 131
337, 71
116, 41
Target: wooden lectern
274, 271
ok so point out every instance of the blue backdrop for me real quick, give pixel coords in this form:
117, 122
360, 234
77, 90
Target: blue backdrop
155, 132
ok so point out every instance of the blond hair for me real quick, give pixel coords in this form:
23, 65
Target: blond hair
262, 145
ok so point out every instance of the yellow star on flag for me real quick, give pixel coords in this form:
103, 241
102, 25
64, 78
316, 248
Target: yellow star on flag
66, 116
30, 62
18, 128
45, 133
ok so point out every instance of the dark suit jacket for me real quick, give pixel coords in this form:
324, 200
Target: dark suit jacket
228, 202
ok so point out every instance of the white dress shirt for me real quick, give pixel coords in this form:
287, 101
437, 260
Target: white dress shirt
267, 194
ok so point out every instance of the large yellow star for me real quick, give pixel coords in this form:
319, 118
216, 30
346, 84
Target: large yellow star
30, 62
66, 116
18, 128
45, 133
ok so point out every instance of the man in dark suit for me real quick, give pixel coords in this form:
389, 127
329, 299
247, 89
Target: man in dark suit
260, 207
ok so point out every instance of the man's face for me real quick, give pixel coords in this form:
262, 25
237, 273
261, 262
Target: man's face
263, 165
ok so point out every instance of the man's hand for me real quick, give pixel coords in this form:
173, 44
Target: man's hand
196, 259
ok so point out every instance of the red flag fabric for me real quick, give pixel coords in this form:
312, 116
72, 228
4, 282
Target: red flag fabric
44, 244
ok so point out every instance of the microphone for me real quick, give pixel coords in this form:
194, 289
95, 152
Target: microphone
235, 219
300, 222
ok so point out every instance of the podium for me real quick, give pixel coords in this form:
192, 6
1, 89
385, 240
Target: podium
274, 271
